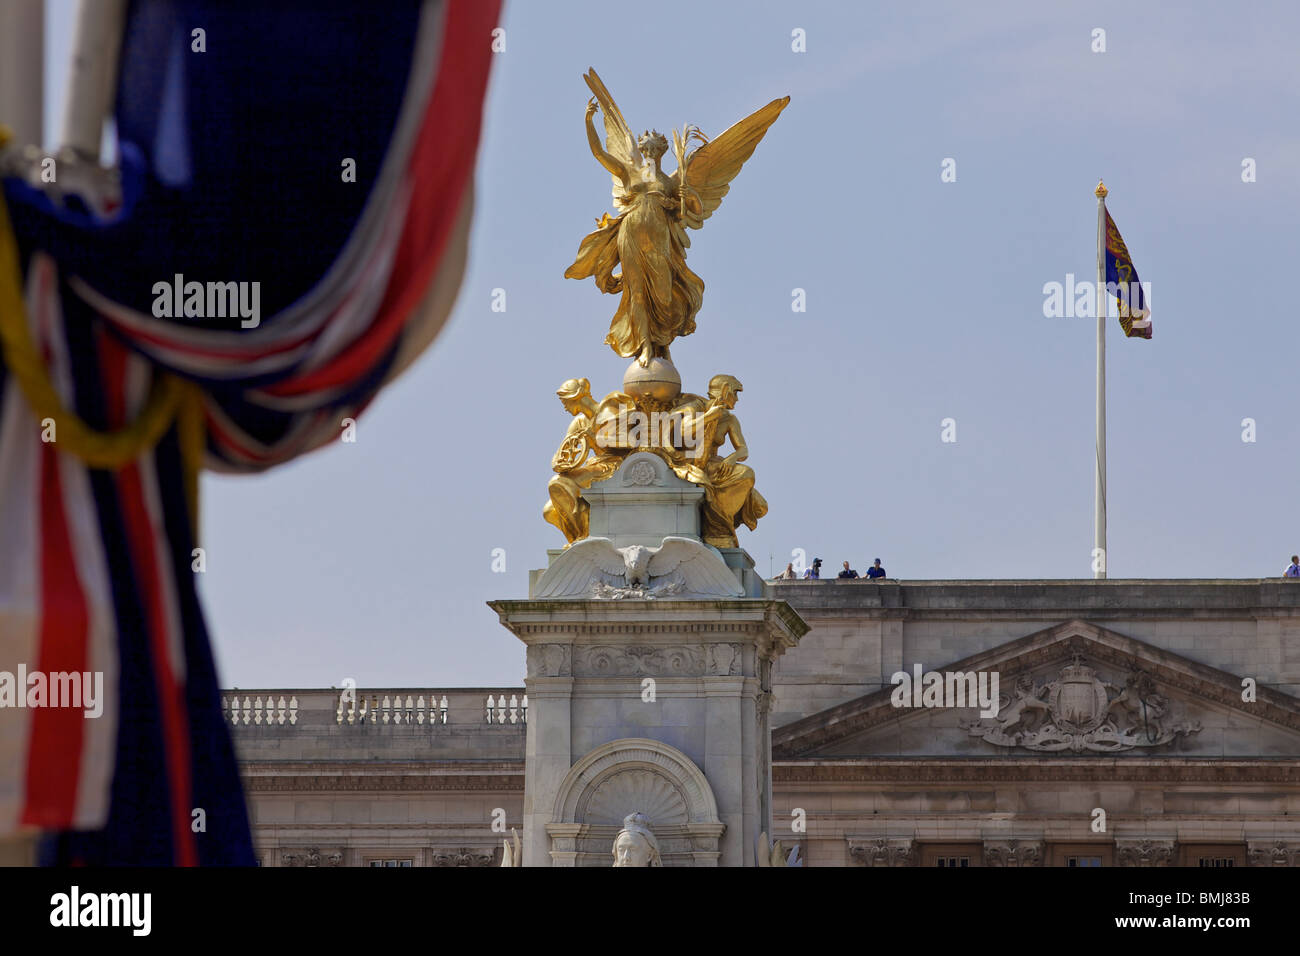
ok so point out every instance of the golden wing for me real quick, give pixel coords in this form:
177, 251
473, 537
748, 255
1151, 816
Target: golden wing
619, 140
710, 169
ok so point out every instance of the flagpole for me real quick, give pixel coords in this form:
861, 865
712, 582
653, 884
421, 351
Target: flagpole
92, 80
1099, 477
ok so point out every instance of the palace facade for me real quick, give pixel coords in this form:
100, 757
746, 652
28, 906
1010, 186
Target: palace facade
1135, 723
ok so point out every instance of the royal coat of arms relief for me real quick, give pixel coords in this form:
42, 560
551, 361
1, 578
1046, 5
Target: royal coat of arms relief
1080, 712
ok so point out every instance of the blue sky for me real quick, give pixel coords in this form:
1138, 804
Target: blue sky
924, 302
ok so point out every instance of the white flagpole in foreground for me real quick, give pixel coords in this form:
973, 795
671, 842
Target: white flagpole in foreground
1099, 484
93, 79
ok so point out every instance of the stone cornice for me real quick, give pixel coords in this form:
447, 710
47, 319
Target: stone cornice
893, 770
600, 630
1113, 599
525, 617
269, 832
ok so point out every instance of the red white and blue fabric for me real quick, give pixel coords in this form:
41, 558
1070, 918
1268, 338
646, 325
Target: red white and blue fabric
232, 162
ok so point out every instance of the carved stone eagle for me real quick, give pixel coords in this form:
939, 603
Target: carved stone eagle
680, 567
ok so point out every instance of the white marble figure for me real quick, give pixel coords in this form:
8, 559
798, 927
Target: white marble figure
635, 844
512, 853
775, 854
679, 567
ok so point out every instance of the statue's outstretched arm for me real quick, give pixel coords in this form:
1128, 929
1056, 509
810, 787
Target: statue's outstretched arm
615, 168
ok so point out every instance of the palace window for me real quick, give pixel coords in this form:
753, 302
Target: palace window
1080, 854
952, 854
397, 862
1212, 854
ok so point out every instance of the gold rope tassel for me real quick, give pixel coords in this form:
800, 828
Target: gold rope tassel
170, 398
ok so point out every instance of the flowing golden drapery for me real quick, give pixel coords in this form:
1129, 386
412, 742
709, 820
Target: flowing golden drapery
660, 294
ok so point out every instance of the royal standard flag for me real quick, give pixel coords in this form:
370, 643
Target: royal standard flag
1122, 281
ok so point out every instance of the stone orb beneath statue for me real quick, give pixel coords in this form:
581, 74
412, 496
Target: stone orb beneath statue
658, 383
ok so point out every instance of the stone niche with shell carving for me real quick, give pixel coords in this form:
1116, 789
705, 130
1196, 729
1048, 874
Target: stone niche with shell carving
635, 775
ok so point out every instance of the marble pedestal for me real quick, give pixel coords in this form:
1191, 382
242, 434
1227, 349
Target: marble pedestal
659, 706
653, 699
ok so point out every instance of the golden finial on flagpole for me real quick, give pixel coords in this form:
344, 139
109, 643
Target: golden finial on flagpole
1101, 190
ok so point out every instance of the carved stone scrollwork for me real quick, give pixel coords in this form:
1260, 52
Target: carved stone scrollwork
310, 856
1081, 712
1145, 852
464, 857
609, 661
550, 660
1013, 852
1271, 853
641, 473
724, 659
883, 852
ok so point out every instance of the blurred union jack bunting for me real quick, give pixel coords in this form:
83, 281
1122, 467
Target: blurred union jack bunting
242, 297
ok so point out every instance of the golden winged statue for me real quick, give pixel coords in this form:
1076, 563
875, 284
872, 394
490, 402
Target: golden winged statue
660, 294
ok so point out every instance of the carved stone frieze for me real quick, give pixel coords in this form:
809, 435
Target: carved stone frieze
724, 659
602, 660
463, 857
883, 852
1272, 853
1145, 852
550, 660
1080, 712
1013, 852
311, 856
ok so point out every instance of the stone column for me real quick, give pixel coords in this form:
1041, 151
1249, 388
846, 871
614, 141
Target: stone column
548, 741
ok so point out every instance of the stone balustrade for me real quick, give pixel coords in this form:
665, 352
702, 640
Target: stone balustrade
250, 709
298, 709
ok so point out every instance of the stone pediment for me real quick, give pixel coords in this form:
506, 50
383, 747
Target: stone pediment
1073, 689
